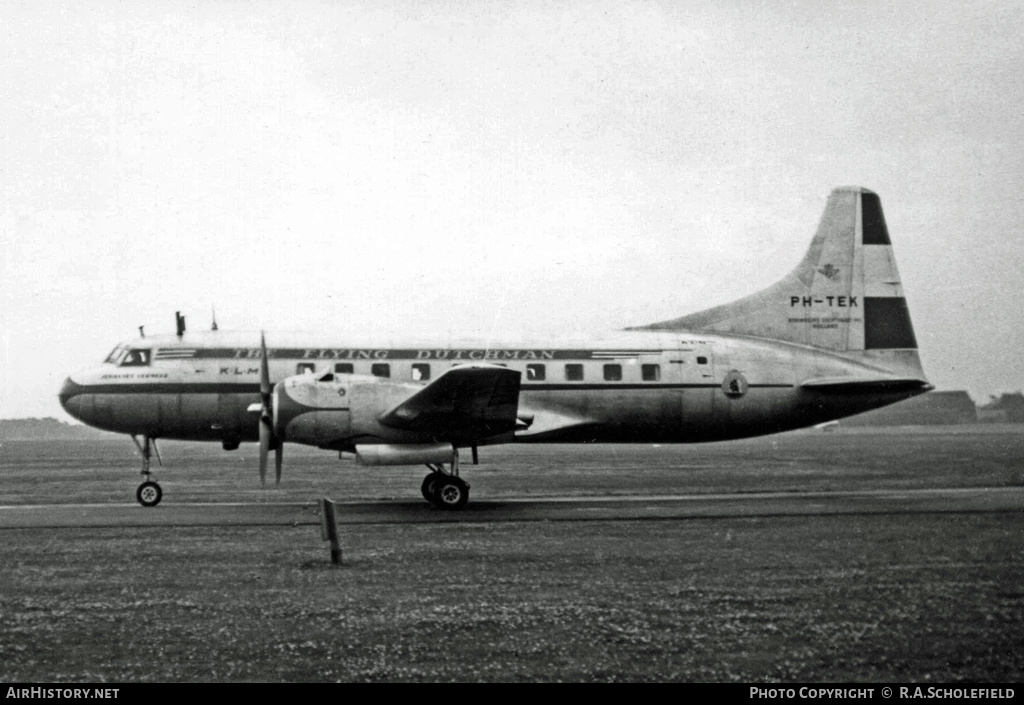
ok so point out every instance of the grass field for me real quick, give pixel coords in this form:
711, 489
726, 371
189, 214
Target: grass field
861, 459
901, 597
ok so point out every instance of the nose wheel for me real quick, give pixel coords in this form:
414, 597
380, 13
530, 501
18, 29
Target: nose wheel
149, 494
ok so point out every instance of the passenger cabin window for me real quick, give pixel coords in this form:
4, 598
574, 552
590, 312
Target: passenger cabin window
380, 369
535, 373
135, 358
650, 373
305, 368
343, 368
420, 371
574, 372
613, 373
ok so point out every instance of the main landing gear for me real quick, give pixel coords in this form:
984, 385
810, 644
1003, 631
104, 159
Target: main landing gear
443, 489
149, 493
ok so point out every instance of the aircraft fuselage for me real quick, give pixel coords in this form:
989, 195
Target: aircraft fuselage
640, 387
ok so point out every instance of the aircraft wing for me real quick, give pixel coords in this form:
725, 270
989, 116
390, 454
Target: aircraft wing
864, 385
465, 403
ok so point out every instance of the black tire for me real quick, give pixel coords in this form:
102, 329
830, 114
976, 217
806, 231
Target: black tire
427, 488
450, 493
149, 494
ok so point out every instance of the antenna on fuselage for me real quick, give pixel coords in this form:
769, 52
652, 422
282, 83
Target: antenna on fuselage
142, 332
214, 315
179, 320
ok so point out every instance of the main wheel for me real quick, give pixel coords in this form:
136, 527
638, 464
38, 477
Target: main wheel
149, 494
427, 488
450, 493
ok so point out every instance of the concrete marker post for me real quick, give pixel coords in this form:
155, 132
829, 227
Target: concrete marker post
329, 529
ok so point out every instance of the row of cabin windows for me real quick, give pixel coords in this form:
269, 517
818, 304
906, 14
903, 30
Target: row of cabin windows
534, 372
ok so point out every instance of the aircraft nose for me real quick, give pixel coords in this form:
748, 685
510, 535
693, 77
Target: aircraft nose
70, 397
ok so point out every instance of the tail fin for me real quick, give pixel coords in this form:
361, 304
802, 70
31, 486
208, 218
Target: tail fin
845, 296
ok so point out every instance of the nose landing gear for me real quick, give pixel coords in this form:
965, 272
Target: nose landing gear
149, 493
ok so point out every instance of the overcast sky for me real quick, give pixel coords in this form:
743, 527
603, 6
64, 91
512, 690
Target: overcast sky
471, 167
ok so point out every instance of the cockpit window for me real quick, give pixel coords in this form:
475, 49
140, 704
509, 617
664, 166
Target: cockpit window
115, 355
136, 357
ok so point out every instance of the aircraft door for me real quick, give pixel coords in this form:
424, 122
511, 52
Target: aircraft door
699, 384
697, 362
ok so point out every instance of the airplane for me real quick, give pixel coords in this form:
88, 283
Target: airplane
831, 339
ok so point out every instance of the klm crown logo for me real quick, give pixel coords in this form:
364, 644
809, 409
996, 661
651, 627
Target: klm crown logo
829, 271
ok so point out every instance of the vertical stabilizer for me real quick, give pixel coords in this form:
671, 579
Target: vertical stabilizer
845, 296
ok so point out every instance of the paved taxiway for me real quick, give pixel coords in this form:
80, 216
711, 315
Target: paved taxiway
959, 500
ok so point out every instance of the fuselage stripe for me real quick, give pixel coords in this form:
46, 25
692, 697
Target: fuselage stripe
424, 354
254, 388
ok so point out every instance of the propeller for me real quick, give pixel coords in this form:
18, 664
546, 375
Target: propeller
267, 439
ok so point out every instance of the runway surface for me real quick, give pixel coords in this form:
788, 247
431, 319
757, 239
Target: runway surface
670, 507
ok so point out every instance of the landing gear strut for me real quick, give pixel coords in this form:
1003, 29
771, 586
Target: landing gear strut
443, 489
149, 493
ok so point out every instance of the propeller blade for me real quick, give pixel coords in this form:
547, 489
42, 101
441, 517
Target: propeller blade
267, 439
266, 413
264, 373
278, 459
265, 433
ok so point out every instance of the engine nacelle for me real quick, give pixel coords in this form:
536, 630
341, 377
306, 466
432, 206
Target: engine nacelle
405, 454
337, 410
310, 410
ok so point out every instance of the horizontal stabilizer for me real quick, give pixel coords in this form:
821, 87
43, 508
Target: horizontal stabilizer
466, 403
866, 385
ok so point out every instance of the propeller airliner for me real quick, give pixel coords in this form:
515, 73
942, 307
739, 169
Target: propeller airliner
831, 339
